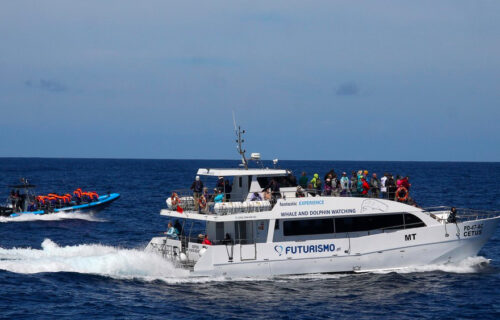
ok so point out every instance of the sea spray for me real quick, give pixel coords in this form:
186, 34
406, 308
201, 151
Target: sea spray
89, 259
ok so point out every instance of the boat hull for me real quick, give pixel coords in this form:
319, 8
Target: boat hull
361, 252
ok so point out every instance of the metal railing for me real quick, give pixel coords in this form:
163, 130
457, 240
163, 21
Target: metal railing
462, 214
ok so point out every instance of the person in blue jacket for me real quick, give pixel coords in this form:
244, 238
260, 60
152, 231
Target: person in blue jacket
172, 232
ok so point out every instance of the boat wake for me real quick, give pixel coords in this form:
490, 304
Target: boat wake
468, 265
94, 259
52, 217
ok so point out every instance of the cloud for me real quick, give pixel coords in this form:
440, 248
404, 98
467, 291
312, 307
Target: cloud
347, 89
47, 85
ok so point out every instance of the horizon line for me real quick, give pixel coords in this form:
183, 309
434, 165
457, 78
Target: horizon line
191, 159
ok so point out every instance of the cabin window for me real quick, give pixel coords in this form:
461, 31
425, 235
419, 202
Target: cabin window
277, 224
219, 230
263, 182
307, 227
283, 181
412, 221
240, 181
355, 224
287, 181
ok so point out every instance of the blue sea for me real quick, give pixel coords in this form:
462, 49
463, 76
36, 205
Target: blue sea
93, 266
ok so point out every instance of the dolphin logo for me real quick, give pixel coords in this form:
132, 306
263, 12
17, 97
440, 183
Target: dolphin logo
278, 249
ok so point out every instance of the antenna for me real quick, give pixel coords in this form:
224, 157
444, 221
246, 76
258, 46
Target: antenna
239, 141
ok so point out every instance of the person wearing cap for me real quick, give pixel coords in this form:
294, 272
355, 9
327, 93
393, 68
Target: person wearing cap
197, 188
220, 184
344, 185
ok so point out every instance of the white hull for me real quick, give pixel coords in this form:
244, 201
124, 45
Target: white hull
358, 252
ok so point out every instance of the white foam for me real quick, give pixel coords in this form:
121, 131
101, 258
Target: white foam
90, 259
468, 265
51, 217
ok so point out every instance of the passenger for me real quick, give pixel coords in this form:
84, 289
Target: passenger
329, 174
328, 186
32, 206
311, 190
219, 197
319, 185
391, 187
19, 201
292, 180
383, 188
375, 186
303, 180
274, 186
316, 184
267, 194
255, 197
206, 194
197, 187
227, 190
354, 184
335, 185
365, 187
344, 185
172, 232
405, 182
300, 192
359, 186
13, 199
452, 217
206, 241
365, 173
220, 184
398, 181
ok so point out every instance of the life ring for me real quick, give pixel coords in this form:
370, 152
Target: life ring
175, 199
399, 196
203, 202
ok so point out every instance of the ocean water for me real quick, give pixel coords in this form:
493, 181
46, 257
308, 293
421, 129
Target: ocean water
80, 266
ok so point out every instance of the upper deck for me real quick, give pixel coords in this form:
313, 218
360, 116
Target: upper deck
263, 172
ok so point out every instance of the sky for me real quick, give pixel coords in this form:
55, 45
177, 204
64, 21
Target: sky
307, 80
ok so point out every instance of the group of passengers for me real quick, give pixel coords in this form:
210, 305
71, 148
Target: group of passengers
175, 231
357, 185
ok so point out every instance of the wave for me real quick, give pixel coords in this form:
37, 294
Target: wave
468, 265
52, 217
94, 259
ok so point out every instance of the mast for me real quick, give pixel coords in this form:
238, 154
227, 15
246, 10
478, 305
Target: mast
240, 141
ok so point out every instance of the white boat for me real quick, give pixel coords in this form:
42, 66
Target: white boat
316, 234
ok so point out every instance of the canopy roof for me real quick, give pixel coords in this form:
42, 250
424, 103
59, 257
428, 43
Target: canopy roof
22, 186
241, 172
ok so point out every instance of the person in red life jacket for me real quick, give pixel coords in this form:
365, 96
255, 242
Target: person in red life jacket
206, 241
406, 183
365, 186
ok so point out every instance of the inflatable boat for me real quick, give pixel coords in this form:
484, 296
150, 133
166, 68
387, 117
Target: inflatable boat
22, 200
